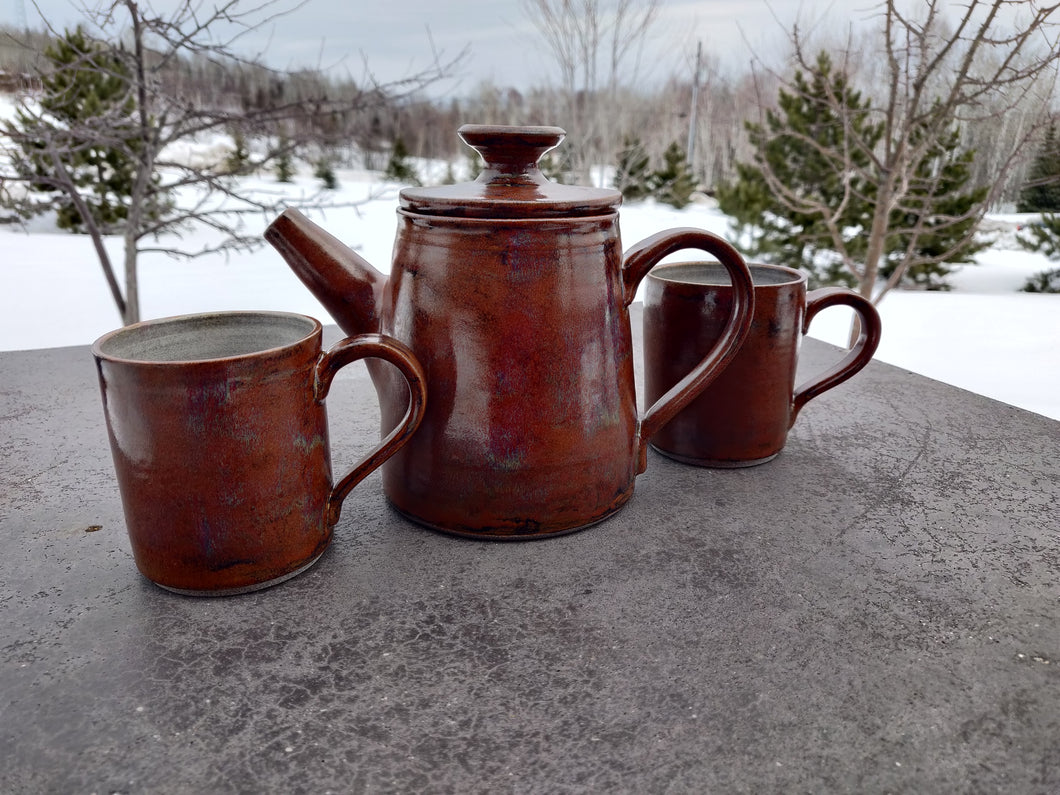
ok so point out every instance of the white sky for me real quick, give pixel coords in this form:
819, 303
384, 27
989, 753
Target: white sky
392, 35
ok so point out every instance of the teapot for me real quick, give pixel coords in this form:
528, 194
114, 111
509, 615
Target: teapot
513, 292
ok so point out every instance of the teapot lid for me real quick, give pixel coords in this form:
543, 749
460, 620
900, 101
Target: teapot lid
511, 185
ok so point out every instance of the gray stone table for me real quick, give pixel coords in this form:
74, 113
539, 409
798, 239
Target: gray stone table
876, 610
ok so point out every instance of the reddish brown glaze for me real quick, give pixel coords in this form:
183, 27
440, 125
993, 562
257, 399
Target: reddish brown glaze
513, 293
742, 418
219, 435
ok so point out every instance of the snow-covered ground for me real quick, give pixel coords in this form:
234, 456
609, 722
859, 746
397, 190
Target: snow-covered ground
984, 336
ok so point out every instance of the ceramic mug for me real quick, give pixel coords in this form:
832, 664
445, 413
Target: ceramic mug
742, 418
219, 435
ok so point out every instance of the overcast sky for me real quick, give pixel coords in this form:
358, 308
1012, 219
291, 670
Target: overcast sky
503, 44
393, 36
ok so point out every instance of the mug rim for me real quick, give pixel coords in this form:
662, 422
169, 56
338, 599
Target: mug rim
795, 276
313, 328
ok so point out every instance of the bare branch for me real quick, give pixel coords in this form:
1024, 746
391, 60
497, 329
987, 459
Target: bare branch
941, 68
146, 56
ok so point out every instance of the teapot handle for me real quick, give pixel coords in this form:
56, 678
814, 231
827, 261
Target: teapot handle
640, 259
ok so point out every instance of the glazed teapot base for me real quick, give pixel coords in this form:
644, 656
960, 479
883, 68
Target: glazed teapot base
514, 530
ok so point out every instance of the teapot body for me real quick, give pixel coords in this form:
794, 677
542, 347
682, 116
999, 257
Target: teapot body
521, 326
513, 293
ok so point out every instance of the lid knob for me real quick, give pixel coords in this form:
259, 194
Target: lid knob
510, 151
511, 186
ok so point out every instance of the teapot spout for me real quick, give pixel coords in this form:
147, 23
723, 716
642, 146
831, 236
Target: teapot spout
349, 288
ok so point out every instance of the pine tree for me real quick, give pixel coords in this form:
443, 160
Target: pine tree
806, 147
283, 166
474, 164
674, 183
1047, 281
85, 83
1045, 237
778, 233
947, 169
1042, 191
238, 160
398, 168
326, 173
632, 174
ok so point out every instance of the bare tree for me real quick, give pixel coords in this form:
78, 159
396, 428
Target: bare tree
940, 67
147, 47
596, 45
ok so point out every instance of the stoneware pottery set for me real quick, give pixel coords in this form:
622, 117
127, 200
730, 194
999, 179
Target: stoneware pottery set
510, 412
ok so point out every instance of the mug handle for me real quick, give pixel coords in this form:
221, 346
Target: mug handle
388, 349
640, 259
857, 357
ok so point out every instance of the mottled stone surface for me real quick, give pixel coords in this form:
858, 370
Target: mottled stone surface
876, 610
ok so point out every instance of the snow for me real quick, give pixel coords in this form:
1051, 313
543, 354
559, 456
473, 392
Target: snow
983, 336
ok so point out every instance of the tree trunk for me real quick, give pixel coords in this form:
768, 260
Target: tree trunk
132, 283
877, 239
873, 252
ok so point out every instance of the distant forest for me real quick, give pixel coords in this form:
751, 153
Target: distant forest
599, 123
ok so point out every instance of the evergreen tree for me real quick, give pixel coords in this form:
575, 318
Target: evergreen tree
398, 168
1047, 281
794, 145
474, 164
807, 147
632, 174
85, 83
238, 160
947, 170
1042, 191
1045, 237
326, 173
283, 166
674, 183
